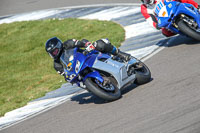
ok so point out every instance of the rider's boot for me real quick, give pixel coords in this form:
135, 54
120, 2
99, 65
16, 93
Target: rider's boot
123, 55
117, 53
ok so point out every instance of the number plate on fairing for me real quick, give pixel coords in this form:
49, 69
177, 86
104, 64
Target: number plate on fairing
160, 9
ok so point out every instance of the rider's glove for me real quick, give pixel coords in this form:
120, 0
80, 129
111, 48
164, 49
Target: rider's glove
90, 47
64, 75
61, 73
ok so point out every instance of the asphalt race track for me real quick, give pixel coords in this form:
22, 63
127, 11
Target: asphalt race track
170, 103
12, 7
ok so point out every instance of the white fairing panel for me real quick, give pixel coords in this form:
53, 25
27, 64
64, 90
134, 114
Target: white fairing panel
117, 69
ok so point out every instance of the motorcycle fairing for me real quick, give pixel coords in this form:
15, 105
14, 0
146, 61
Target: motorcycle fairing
175, 8
189, 10
116, 69
98, 61
94, 74
163, 21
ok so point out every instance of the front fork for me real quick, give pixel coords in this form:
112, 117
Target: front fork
188, 20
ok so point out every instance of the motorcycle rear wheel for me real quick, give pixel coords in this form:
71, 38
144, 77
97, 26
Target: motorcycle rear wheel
102, 93
143, 74
183, 27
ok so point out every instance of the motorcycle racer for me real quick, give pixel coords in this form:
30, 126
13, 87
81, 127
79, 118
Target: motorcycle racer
54, 47
147, 11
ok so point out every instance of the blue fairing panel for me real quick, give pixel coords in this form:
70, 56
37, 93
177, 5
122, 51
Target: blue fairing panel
95, 75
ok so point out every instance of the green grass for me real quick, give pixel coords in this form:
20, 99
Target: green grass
26, 70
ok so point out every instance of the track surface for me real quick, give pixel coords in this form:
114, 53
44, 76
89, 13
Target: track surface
19, 6
169, 103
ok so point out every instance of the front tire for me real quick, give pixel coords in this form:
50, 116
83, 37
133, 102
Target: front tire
183, 27
100, 92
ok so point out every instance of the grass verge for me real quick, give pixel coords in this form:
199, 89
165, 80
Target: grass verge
26, 70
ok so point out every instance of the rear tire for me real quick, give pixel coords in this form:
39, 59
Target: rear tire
183, 27
143, 74
100, 92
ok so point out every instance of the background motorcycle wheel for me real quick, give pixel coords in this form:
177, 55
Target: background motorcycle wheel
143, 74
183, 27
102, 93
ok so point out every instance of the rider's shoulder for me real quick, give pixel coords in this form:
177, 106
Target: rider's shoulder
69, 41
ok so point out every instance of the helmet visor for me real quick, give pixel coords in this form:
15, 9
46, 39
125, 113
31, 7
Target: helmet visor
55, 52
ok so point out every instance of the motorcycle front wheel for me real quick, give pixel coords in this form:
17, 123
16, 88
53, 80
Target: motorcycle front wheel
187, 30
109, 91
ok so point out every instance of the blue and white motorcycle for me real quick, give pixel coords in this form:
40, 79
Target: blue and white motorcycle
181, 18
102, 74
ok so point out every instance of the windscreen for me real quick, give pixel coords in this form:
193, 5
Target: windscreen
67, 57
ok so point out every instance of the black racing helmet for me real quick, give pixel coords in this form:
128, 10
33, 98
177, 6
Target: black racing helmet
148, 2
54, 47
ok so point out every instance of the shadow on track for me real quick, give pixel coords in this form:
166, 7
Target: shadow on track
87, 98
178, 40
